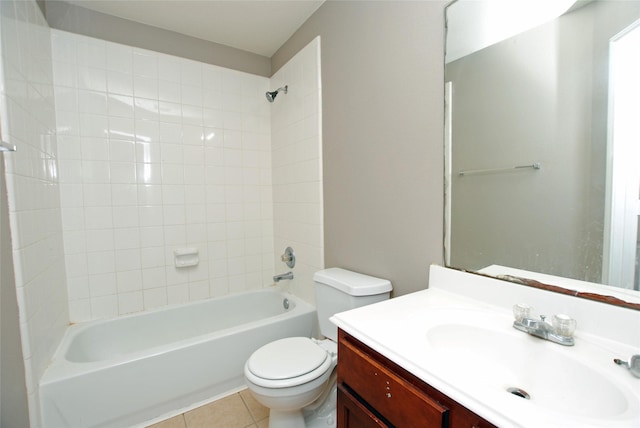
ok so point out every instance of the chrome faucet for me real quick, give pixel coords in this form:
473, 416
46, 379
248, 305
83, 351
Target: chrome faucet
288, 275
560, 332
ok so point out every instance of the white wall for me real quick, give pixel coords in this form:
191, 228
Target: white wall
297, 167
28, 121
159, 153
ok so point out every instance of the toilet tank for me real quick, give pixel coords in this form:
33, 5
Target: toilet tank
338, 290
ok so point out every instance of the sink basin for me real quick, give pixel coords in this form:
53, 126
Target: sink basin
503, 358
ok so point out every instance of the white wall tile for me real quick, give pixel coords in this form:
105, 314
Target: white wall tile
169, 68
92, 102
170, 112
145, 64
122, 127
191, 95
100, 262
127, 260
145, 173
122, 172
27, 99
119, 106
104, 306
66, 99
96, 194
124, 194
78, 288
95, 171
148, 152
150, 215
146, 109
99, 240
91, 78
76, 265
126, 238
125, 217
102, 285
91, 53
145, 87
154, 298
191, 73
119, 57
93, 125
80, 310
297, 160
129, 281
94, 149
170, 133
130, 302
148, 173
153, 277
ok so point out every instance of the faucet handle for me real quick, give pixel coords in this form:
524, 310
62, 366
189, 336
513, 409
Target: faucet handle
543, 317
563, 325
289, 258
521, 311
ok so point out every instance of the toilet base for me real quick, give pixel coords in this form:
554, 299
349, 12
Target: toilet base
321, 414
322, 421
295, 419
286, 419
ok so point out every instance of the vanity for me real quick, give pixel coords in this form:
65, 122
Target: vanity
449, 356
373, 391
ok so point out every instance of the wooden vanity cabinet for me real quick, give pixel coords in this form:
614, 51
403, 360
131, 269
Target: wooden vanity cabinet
373, 391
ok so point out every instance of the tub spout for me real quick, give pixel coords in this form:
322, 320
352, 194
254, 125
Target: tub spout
288, 275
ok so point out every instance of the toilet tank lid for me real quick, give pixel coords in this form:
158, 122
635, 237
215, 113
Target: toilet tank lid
353, 283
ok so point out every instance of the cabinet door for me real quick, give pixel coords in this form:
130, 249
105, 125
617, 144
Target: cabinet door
351, 413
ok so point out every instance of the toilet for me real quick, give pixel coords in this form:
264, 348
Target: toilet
295, 377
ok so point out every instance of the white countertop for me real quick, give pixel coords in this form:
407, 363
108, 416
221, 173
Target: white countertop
404, 330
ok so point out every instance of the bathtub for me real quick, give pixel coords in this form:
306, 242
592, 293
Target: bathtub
125, 371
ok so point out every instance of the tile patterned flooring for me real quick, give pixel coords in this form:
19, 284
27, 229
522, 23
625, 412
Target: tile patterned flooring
239, 410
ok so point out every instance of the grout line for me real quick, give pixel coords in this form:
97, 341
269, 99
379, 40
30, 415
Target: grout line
246, 406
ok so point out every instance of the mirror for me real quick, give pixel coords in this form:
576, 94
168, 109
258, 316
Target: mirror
531, 124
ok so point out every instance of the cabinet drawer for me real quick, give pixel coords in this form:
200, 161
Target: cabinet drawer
401, 403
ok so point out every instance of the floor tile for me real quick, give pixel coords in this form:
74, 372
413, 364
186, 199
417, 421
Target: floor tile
175, 422
257, 410
229, 412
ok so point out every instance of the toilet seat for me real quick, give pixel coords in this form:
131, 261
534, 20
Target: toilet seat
287, 362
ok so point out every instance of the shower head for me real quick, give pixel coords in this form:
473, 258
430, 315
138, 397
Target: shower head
272, 95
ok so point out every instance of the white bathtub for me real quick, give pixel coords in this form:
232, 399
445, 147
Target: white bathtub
128, 370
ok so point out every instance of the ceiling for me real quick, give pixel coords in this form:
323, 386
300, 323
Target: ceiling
260, 26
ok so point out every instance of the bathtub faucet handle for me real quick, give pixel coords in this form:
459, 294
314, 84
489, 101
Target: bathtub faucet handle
289, 258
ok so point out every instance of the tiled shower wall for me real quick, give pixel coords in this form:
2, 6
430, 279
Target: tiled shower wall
297, 167
32, 187
159, 153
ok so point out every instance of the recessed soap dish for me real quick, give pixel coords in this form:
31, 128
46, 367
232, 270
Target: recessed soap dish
185, 257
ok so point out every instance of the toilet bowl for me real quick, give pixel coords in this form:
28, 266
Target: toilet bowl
295, 377
289, 375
